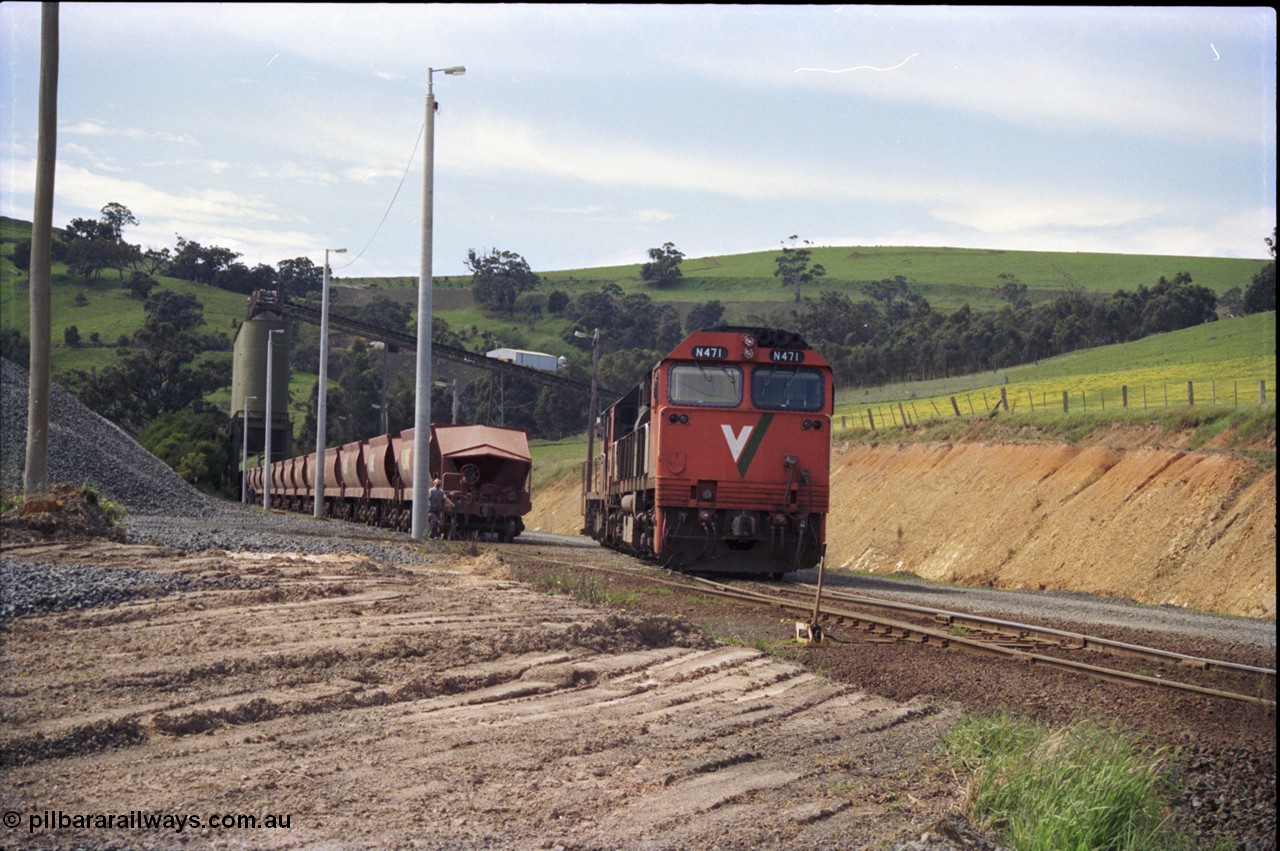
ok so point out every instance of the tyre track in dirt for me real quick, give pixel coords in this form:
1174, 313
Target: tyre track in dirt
442, 705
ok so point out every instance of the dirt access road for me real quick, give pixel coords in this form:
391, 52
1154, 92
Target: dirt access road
373, 705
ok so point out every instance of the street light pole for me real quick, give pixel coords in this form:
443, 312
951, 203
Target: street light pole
591, 418
454, 386
266, 440
244, 453
422, 384
322, 391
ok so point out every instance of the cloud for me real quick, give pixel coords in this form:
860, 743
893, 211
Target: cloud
95, 128
291, 171
495, 144
199, 214
997, 213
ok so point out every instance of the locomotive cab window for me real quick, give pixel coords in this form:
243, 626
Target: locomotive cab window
788, 388
701, 384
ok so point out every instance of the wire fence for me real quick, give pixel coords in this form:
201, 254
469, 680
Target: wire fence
989, 401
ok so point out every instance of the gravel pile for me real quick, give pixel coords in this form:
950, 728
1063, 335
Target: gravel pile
84, 448
160, 507
234, 527
28, 588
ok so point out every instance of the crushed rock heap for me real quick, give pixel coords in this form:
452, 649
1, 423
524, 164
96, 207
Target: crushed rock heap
85, 448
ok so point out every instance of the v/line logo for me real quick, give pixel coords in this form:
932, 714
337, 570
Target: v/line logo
744, 443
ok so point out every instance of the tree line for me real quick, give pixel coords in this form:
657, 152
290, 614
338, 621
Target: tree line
884, 332
893, 334
92, 247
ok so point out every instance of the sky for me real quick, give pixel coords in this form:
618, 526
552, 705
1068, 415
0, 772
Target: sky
586, 135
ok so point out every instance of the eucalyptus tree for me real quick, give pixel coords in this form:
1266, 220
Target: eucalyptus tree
794, 266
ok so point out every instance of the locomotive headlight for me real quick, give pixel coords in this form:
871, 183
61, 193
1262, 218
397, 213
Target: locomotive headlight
749, 341
684, 419
674, 418
706, 515
748, 353
780, 519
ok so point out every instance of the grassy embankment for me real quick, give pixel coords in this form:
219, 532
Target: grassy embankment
1082, 786
1226, 359
948, 277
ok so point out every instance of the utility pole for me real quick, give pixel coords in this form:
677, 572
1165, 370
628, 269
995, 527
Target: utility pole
35, 481
322, 388
591, 420
422, 384
244, 452
266, 440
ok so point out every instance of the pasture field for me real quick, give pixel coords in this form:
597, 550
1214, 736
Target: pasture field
1225, 361
947, 277
933, 271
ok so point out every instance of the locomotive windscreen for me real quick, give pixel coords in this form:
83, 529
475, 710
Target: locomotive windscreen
696, 384
787, 388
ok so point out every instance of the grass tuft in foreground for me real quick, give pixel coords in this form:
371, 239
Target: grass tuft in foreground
1083, 786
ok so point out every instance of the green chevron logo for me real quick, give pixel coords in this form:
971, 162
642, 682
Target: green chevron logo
743, 445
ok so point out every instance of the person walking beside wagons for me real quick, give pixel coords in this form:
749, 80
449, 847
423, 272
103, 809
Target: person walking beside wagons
435, 505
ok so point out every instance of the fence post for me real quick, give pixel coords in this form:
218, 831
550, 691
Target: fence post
1084, 401
1004, 400
904, 414
1262, 392
842, 423
1213, 392
955, 406
871, 419
1102, 394
1031, 400
1064, 402
1191, 395
1124, 395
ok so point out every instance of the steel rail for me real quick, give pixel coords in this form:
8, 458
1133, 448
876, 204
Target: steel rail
923, 634
940, 638
1059, 637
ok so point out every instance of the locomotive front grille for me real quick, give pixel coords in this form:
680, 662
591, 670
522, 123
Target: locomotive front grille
676, 493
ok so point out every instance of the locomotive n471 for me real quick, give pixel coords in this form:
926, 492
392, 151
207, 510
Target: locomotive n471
719, 462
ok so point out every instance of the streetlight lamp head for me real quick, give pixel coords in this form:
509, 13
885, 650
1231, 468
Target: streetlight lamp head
455, 71
338, 250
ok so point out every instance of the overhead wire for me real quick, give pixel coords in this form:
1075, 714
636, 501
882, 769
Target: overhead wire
391, 204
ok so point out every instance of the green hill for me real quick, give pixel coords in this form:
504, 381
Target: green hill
947, 277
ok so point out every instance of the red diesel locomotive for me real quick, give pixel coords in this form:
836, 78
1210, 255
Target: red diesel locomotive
719, 462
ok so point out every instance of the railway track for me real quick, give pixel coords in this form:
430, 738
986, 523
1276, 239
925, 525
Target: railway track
892, 621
